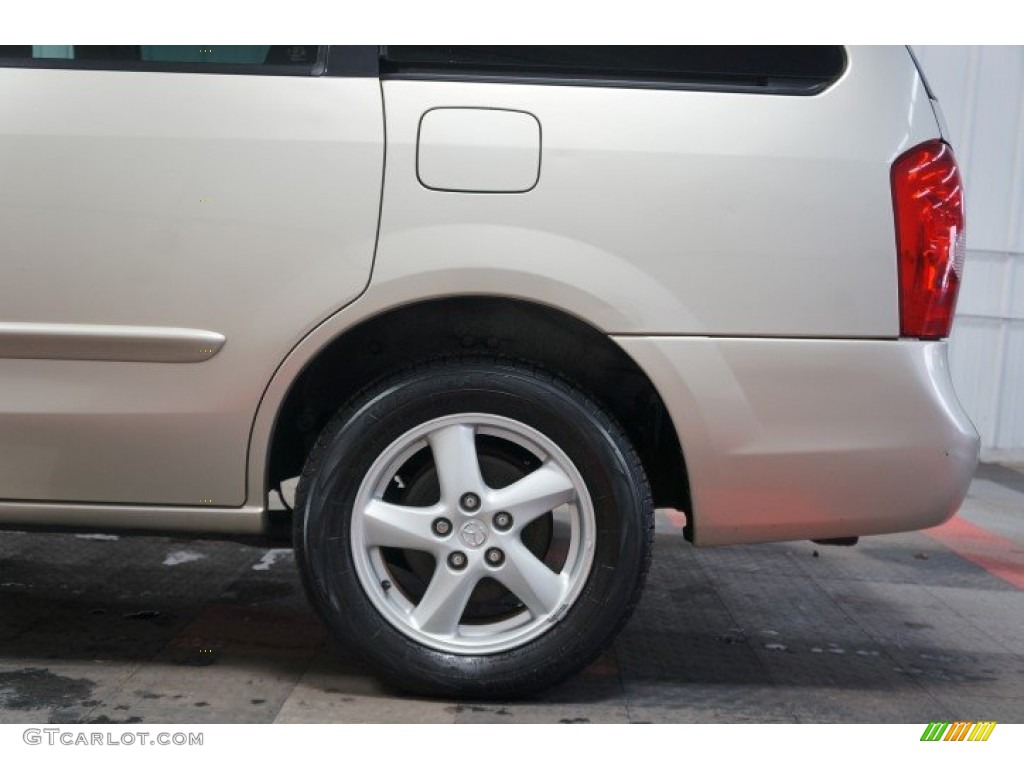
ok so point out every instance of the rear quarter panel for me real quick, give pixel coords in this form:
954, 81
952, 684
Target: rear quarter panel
669, 211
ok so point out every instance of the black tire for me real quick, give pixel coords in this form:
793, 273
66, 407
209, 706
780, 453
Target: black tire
588, 436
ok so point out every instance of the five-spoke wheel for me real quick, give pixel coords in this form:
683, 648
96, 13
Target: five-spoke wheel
473, 533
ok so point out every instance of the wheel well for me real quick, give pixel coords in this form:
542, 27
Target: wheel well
541, 335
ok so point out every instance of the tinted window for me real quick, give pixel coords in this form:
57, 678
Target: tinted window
188, 57
787, 68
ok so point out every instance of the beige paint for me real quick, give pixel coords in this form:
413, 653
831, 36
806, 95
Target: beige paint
798, 439
200, 518
123, 343
664, 218
243, 205
478, 150
671, 212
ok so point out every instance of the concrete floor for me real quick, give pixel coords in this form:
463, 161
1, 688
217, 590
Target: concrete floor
905, 628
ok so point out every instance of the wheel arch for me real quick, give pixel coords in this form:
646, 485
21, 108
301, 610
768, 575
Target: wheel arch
326, 369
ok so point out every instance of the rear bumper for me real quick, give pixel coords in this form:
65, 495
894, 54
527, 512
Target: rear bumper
798, 439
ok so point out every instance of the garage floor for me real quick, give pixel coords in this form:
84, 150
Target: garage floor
906, 628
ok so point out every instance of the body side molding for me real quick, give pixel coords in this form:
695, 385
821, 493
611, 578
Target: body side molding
116, 343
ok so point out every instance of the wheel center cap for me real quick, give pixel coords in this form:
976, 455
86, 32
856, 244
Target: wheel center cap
473, 534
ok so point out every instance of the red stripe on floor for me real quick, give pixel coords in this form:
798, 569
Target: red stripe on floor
998, 555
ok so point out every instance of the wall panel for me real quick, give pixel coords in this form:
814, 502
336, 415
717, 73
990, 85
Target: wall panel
981, 89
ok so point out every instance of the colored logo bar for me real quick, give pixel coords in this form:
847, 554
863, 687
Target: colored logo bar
960, 730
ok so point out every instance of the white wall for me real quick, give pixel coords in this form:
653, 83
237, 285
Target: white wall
981, 89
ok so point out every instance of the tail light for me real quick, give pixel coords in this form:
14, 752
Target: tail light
928, 202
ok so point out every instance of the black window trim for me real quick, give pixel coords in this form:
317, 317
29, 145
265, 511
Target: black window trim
775, 86
353, 61
199, 68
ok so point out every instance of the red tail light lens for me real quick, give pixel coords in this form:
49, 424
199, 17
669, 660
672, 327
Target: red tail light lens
928, 200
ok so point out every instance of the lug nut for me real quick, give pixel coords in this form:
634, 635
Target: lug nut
441, 526
469, 502
494, 556
458, 560
502, 521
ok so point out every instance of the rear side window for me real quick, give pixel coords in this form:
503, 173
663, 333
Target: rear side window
766, 68
245, 59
